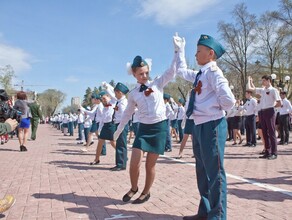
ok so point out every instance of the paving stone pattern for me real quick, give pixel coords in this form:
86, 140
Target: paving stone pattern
53, 180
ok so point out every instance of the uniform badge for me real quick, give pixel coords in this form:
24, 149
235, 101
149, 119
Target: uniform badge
198, 88
214, 68
142, 64
148, 91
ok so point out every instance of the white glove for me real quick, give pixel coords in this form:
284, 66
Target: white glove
179, 43
117, 133
183, 123
104, 85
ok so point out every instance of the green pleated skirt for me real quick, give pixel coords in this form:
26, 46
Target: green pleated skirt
151, 137
107, 131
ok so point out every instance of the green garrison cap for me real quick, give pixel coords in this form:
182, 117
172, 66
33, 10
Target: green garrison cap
166, 96
182, 101
102, 93
139, 62
210, 42
95, 96
121, 87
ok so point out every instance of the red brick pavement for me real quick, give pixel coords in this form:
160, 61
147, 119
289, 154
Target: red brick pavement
53, 180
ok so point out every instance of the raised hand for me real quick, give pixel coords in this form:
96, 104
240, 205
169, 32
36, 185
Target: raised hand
179, 43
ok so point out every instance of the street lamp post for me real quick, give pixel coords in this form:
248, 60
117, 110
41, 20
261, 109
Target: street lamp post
280, 84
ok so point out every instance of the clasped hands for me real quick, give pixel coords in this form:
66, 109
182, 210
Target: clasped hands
179, 43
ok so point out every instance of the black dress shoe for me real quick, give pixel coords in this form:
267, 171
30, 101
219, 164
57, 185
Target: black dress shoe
272, 157
127, 197
246, 145
23, 148
280, 143
140, 201
265, 156
94, 162
195, 217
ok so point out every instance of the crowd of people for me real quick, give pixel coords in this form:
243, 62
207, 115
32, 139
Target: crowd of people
155, 117
210, 115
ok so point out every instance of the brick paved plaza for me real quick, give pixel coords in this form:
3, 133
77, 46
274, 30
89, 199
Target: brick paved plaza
54, 181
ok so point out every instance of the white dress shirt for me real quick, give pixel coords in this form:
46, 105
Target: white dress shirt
250, 106
181, 112
216, 97
151, 109
268, 97
286, 107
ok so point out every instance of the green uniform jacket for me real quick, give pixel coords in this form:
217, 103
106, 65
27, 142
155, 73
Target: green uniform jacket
4, 128
35, 110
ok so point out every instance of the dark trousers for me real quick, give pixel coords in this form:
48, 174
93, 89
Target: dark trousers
209, 144
250, 127
284, 128
34, 126
168, 136
268, 120
103, 151
80, 131
230, 129
121, 148
86, 132
70, 128
180, 130
242, 125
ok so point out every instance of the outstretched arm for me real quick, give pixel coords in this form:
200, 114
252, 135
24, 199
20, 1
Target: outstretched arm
250, 86
181, 64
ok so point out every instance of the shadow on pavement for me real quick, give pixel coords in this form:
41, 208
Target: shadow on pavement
96, 207
78, 165
5, 149
73, 152
262, 195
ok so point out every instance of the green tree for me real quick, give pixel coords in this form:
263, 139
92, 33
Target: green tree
70, 108
6, 76
178, 88
112, 83
50, 100
87, 97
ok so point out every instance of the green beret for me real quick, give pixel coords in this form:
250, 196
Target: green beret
210, 42
182, 101
139, 62
121, 87
102, 93
166, 96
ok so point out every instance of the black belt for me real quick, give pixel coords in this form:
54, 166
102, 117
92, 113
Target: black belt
266, 109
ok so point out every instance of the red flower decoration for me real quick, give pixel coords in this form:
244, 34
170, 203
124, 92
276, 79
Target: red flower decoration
148, 91
108, 105
198, 88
